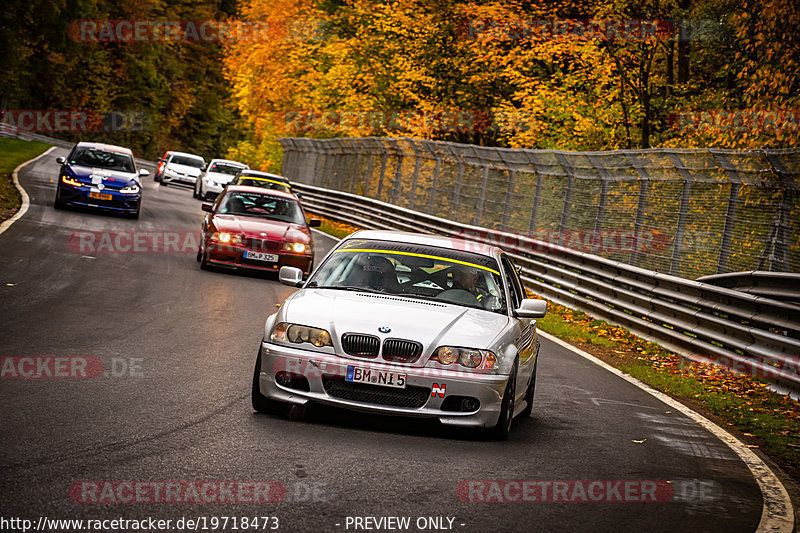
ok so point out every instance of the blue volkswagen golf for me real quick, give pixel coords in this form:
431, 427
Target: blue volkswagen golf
100, 176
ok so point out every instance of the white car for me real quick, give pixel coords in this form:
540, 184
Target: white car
182, 168
404, 324
216, 176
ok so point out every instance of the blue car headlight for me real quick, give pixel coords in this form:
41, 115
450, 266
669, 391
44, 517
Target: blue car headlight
69, 180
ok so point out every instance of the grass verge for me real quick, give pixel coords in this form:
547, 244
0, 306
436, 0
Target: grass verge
744, 405
12, 153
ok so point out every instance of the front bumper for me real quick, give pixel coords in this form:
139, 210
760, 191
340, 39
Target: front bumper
177, 178
212, 188
233, 257
325, 376
119, 202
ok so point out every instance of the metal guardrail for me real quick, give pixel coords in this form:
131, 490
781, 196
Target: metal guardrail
781, 286
749, 333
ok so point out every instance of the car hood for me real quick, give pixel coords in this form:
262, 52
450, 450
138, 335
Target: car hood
431, 323
184, 169
114, 178
254, 227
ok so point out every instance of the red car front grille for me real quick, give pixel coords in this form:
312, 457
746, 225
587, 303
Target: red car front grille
263, 245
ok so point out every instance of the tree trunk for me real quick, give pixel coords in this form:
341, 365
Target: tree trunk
683, 61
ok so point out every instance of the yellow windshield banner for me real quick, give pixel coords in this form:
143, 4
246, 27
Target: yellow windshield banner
267, 179
436, 257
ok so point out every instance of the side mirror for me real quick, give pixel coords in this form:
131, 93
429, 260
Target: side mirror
530, 308
207, 207
314, 223
61, 160
299, 195
144, 172
290, 276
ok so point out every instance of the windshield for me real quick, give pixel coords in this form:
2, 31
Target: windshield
251, 204
92, 157
263, 183
225, 168
187, 161
425, 272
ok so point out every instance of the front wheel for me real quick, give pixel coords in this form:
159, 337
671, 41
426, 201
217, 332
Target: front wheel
503, 428
57, 203
261, 403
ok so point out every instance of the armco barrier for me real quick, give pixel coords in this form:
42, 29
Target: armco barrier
749, 333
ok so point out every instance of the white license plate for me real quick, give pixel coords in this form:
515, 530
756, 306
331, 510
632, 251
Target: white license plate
261, 256
373, 376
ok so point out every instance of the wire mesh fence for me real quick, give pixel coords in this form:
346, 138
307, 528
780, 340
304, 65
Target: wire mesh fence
684, 212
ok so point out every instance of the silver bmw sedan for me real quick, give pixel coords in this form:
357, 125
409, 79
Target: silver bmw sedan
404, 324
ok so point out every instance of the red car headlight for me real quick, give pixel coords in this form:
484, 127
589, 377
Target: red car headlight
296, 247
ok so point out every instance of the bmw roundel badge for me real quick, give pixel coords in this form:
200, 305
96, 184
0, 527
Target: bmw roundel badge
384, 329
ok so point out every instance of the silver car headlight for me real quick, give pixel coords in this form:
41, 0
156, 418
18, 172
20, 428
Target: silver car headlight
130, 189
297, 334
466, 357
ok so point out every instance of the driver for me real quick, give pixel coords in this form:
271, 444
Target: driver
465, 278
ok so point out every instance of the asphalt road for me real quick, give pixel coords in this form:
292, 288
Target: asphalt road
178, 346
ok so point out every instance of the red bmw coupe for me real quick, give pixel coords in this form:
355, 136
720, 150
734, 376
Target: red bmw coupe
256, 228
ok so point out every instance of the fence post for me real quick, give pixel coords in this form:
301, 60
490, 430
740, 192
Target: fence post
482, 198
683, 211
537, 195
783, 225
730, 211
457, 189
384, 161
398, 176
435, 183
601, 202
507, 207
355, 173
644, 184
562, 227
415, 177
368, 174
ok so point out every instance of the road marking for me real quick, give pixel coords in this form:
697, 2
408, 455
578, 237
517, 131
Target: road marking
25, 200
777, 513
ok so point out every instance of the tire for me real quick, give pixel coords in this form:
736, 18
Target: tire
531, 387
58, 204
261, 403
503, 428
203, 261
162, 182
135, 216
199, 255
